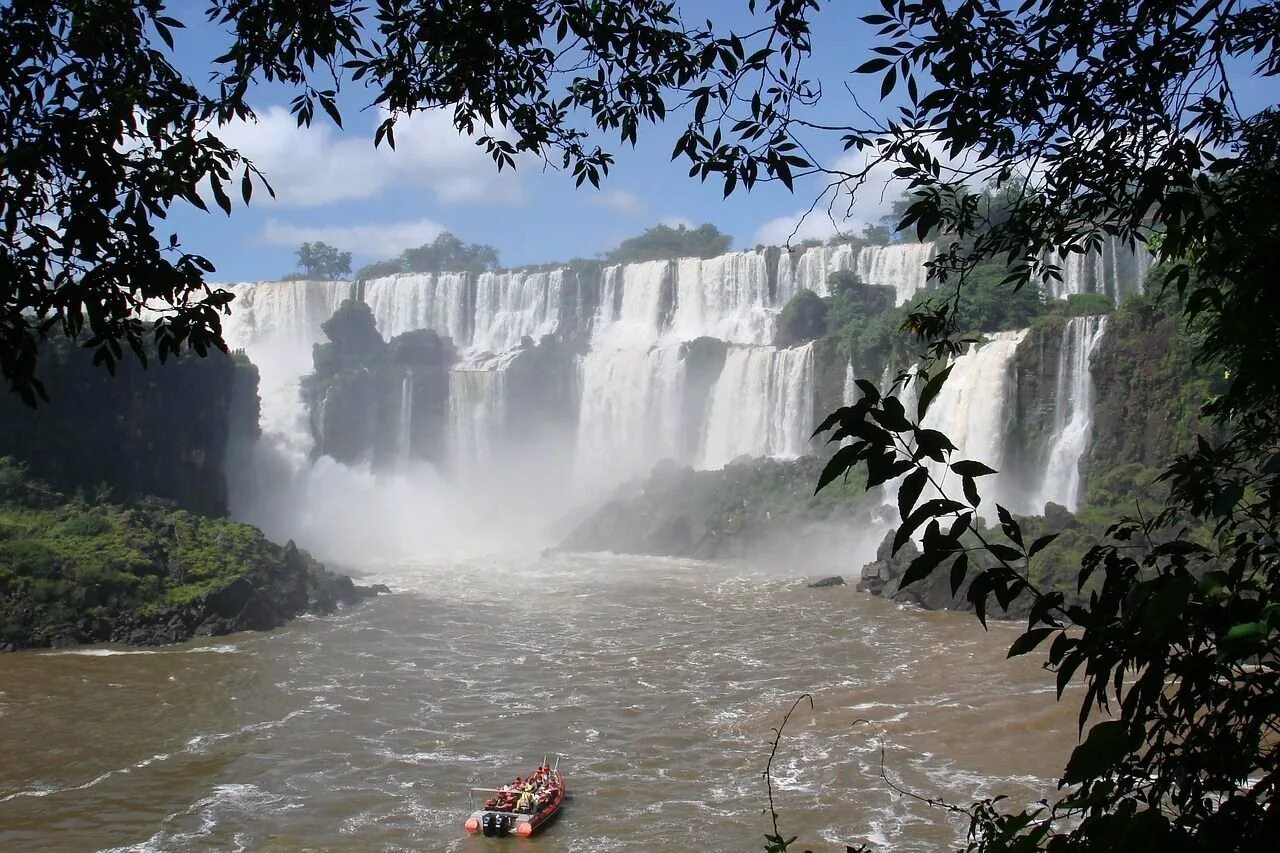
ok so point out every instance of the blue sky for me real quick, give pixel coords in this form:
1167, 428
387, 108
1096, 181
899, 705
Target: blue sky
333, 185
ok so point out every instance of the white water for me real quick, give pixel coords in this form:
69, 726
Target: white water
762, 405
972, 410
633, 403
476, 409
900, 266
513, 305
811, 269
404, 419
1116, 271
629, 414
1073, 414
276, 323
637, 323
725, 297
403, 303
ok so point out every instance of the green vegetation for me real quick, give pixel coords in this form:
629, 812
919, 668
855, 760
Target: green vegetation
1176, 643
662, 242
869, 330
62, 562
138, 135
322, 261
803, 318
446, 253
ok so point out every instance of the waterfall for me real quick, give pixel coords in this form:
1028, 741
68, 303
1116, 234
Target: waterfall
476, 410
513, 305
276, 323
436, 301
629, 416
1116, 271
404, 419
1073, 413
638, 320
642, 394
900, 266
725, 297
762, 405
972, 410
811, 269
849, 391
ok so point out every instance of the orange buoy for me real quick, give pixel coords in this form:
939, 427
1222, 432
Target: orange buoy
525, 828
472, 824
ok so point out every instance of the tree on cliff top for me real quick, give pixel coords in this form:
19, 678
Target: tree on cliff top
102, 134
320, 260
662, 242
446, 253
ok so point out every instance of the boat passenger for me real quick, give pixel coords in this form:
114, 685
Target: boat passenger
526, 800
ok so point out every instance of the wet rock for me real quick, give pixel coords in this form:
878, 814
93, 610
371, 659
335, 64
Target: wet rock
833, 580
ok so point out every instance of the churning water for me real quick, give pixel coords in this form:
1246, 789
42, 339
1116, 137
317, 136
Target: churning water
658, 681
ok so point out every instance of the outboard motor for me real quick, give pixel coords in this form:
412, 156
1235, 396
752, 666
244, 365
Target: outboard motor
489, 825
504, 827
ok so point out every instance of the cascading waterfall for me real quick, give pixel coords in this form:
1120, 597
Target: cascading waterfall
276, 323
726, 297
629, 415
404, 419
762, 405
642, 394
1073, 414
437, 301
900, 266
811, 270
637, 321
1115, 271
514, 305
972, 409
476, 410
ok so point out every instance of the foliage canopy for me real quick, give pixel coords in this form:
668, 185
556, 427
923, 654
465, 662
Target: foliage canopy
663, 241
320, 260
102, 134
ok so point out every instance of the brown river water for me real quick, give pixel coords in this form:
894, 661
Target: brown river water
658, 681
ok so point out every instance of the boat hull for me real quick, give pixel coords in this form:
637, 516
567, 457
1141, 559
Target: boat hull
501, 823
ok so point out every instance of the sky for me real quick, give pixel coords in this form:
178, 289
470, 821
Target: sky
333, 185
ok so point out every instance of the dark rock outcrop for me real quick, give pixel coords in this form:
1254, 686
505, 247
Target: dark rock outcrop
834, 580
370, 400
165, 429
753, 509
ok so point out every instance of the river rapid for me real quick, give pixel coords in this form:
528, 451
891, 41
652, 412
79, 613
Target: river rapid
658, 681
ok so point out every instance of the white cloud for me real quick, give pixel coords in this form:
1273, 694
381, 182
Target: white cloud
622, 201
840, 212
374, 241
317, 165
677, 222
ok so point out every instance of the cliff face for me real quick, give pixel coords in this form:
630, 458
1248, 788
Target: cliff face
1035, 388
375, 401
1148, 393
161, 430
